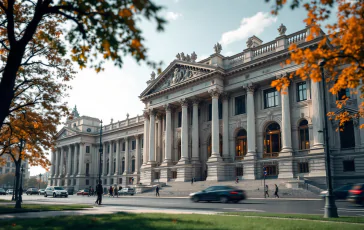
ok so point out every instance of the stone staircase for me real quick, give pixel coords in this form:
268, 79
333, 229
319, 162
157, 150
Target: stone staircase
253, 188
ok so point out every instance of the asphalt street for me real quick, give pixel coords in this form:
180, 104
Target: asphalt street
303, 206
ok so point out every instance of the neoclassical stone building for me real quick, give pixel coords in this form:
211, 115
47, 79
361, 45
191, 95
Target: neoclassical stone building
217, 119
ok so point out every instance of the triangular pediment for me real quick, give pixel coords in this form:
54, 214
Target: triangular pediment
65, 132
178, 73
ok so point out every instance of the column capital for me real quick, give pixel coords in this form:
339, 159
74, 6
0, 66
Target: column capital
136, 136
214, 92
225, 96
184, 102
159, 116
196, 100
152, 112
146, 114
168, 107
250, 88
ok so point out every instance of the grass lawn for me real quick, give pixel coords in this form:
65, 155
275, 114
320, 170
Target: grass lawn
6, 201
170, 221
40, 207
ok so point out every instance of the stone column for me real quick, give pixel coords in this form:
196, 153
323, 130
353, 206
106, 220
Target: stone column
215, 142
160, 139
61, 163
81, 171
137, 154
184, 133
53, 161
126, 155
145, 138
195, 136
75, 172
152, 138
117, 157
69, 157
317, 118
111, 159
286, 124
225, 127
168, 137
104, 169
251, 122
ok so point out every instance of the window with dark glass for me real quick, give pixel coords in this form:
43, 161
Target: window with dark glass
304, 135
239, 171
241, 144
179, 119
271, 170
303, 167
114, 147
272, 140
123, 147
87, 169
87, 182
133, 144
240, 105
342, 94
114, 166
133, 165
348, 166
210, 113
347, 137
220, 110
301, 91
87, 149
107, 167
270, 98
123, 165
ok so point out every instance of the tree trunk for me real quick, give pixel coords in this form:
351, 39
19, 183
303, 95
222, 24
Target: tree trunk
17, 183
8, 80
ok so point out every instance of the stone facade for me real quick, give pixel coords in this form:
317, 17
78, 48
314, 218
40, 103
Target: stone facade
218, 119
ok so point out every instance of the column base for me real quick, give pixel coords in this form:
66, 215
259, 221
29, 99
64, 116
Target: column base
285, 169
184, 174
249, 170
218, 171
317, 167
165, 175
196, 170
183, 161
286, 153
214, 158
146, 174
317, 149
166, 163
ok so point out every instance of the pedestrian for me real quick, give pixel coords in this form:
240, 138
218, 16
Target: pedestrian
157, 191
89, 191
276, 192
116, 191
110, 192
132, 180
266, 191
237, 180
99, 191
192, 181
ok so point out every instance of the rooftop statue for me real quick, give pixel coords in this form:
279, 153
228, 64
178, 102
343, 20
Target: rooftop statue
217, 48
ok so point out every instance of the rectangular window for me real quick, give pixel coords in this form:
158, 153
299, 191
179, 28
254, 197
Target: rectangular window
112, 181
239, 171
123, 148
342, 94
133, 144
303, 167
8, 164
179, 119
87, 182
220, 110
301, 91
120, 180
240, 105
210, 113
114, 147
87, 149
270, 98
349, 166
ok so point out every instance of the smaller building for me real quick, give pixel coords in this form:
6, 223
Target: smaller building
9, 167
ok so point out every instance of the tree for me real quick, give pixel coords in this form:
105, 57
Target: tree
100, 30
31, 183
342, 48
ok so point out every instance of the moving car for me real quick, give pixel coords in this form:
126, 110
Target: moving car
55, 191
2, 191
127, 191
82, 192
356, 194
9, 191
41, 191
223, 194
31, 191
339, 193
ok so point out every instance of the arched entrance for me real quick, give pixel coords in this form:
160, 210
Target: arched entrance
241, 145
272, 140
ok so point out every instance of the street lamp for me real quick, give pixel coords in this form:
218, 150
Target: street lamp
21, 184
100, 150
40, 176
330, 207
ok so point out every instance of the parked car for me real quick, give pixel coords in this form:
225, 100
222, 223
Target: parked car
339, 193
356, 194
223, 194
55, 191
2, 191
127, 191
9, 191
70, 190
31, 191
82, 192
41, 191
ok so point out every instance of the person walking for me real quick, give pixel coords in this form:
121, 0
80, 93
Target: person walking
99, 191
89, 191
157, 191
266, 191
237, 180
116, 191
110, 192
192, 181
276, 192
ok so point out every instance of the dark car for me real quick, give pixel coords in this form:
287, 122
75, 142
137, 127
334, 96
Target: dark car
32, 191
2, 191
70, 190
356, 194
339, 193
223, 194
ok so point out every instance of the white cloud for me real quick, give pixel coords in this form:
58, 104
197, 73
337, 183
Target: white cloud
249, 26
172, 16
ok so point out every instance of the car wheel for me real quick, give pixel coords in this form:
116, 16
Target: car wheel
195, 199
45, 194
224, 199
66, 196
54, 195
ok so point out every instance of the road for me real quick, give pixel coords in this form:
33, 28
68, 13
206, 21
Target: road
313, 206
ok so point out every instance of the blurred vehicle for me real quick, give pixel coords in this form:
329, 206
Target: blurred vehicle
41, 191
339, 193
356, 194
32, 191
82, 192
70, 190
55, 191
2, 191
223, 194
9, 191
127, 191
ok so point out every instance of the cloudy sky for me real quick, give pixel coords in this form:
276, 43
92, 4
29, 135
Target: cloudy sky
194, 25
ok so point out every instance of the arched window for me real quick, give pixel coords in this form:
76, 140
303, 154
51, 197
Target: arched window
304, 139
209, 147
241, 145
272, 140
133, 164
347, 137
114, 167
107, 166
123, 165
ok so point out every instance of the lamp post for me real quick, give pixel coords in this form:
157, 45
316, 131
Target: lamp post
21, 184
100, 151
40, 176
330, 207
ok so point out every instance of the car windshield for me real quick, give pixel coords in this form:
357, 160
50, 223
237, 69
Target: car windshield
58, 188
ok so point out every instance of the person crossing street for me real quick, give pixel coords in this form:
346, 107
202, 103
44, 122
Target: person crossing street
99, 191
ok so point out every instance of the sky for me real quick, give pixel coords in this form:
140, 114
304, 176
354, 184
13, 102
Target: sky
193, 26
